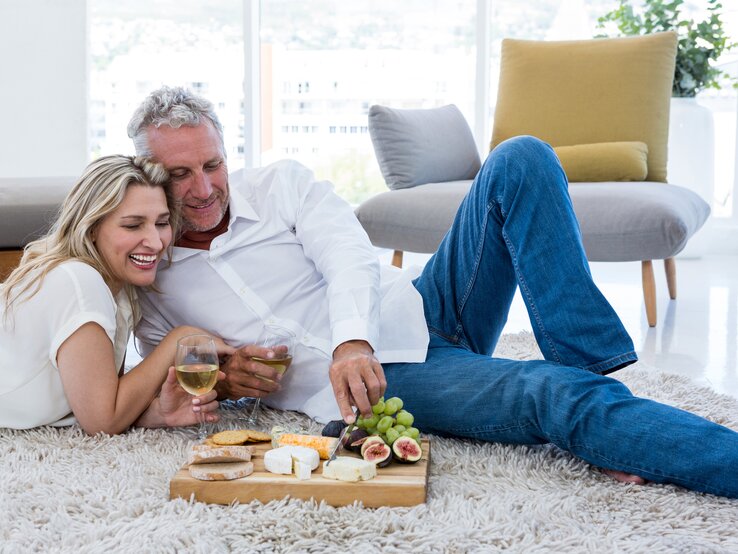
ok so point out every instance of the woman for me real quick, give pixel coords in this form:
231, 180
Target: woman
67, 311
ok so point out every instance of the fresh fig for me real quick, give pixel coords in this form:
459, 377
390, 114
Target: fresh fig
406, 450
356, 439
377, 452
333, 428
371, 439
385, 463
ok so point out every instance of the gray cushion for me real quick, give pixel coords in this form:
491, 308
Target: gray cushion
415, 147
623, 222
619, 221
28, 206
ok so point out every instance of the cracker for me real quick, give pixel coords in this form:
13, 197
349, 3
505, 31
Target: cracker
258, 436
232, 437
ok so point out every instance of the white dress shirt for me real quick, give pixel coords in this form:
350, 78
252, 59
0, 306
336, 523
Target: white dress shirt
294, 255
71, 295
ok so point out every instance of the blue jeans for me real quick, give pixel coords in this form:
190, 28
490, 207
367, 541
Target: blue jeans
516, 228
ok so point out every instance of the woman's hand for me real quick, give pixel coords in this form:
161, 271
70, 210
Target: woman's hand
175, 407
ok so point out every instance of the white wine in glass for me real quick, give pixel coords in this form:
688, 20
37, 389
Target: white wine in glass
282, 341
196, 365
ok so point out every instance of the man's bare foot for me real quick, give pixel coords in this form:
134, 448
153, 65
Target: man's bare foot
624, 477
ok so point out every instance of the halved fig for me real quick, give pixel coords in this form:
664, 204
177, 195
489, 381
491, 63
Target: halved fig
406, 450
377, 452
369, 441
356, 439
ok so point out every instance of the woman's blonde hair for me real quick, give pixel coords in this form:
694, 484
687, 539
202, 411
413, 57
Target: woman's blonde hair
97, 193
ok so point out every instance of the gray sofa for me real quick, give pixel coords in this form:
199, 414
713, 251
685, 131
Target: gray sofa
28, 205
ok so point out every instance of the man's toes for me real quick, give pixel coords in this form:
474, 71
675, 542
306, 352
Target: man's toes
624, 477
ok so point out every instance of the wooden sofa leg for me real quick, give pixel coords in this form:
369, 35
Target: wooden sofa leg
670, 268
649, 291
397, 258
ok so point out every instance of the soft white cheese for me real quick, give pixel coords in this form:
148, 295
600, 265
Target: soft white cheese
344, 468
308, 456
279, 460
302, 470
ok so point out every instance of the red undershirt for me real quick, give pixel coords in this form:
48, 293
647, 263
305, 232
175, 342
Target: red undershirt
201, 240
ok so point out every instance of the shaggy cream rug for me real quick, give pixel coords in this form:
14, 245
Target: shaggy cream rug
65, 492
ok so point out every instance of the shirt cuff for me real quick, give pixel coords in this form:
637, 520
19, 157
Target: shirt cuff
354, 329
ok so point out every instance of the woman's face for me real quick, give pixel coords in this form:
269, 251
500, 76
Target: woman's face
132, 239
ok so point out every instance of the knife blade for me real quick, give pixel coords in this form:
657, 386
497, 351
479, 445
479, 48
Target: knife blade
346, 431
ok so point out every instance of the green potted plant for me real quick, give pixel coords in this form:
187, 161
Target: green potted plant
700, 44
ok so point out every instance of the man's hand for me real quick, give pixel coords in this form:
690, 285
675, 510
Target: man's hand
241, 374
357, 378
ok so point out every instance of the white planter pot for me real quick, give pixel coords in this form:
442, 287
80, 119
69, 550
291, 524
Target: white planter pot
691, 161
691, 147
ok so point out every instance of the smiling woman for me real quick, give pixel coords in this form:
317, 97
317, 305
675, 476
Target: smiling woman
132, 239
67, 311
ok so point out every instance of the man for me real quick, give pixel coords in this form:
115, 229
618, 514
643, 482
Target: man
277, 247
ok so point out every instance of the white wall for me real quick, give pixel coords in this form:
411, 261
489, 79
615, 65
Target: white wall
43, 87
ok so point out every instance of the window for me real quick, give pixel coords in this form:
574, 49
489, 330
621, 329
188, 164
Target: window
139, 45
339, 60
324, 64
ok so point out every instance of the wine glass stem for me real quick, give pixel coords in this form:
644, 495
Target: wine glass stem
202, 429
255, 411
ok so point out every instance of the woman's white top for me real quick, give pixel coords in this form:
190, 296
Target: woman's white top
71, 294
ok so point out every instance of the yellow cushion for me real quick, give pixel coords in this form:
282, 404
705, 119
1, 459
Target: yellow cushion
604, 161
589, 91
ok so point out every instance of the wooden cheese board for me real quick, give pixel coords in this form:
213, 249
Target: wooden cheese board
395, 485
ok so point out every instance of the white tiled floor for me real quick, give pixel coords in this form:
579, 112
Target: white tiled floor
696, 335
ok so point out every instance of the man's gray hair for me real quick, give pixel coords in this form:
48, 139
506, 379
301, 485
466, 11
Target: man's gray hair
172, 106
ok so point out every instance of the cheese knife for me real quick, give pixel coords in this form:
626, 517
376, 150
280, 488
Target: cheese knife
346, 431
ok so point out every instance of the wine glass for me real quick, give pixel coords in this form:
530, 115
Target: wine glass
282, 341
196, 364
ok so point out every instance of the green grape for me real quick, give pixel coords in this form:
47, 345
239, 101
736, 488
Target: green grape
372, 430
398, 402
392, 435
378, 408
405, 418
412, 432
360, 422
390, 407
399, 428
371, 422
384, 438
385, 423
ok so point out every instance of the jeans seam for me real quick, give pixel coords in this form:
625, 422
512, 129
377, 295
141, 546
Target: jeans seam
444, 336
475, 271
477, 260
466, 431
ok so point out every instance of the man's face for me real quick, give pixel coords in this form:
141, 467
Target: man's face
195, 159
